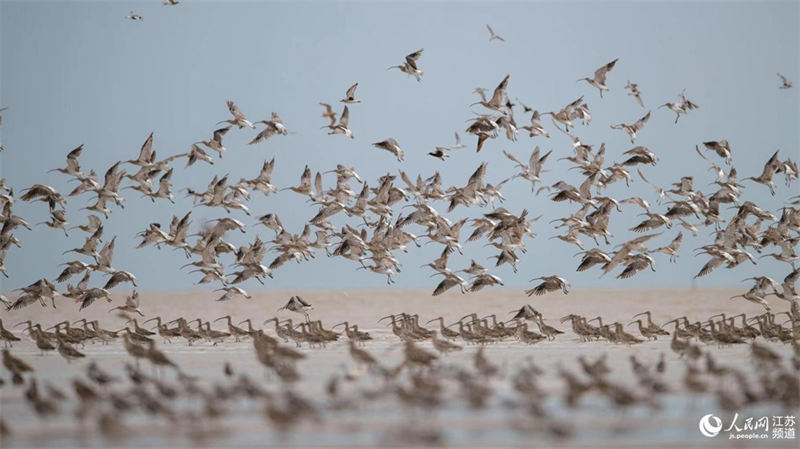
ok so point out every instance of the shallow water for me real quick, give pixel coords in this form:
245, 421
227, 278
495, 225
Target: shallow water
596, 422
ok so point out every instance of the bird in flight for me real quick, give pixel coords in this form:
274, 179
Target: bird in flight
786, 83
410, 66
599, 80
493, 36
351, 95
634, 90
391, 146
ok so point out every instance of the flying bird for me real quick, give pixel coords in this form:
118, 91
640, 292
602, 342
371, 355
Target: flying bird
786, 84
391, 146
350, 96
634, 91
549, 284
599, 79
493, 35
410, 66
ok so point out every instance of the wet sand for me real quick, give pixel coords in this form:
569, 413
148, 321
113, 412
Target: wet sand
594, 423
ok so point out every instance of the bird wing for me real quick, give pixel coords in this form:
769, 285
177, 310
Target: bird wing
600, 74
345, 118
499, 96
640, 123
219, 133
513, 159
411, 59
147, 149
351, 92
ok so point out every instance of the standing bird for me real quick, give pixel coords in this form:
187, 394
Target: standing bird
493, 36
599, 80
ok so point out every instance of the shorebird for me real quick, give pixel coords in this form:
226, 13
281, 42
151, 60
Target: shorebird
785, 83
170, 2
756, 296
525, 312
66, 350
634, 90
298, 305
493, 35
767, 173
599, 79
135, 17
634, 264
444, 346
273, 126
391, 146
92, 294
549, 331
410, 66
549, 284
682, 106
499, 101
238, 120
329, 114
360, 356
350, 98
73, 167
536, 128
7, 336
445, 331
14, 364
439, 153
230, 292
342, 126
633, 128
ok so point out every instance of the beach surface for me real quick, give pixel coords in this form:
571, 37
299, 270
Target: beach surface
671, 421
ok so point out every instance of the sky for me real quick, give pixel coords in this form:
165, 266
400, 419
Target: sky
76, 73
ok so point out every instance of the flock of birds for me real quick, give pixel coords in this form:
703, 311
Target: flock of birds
420, 379
382, 229
382, 213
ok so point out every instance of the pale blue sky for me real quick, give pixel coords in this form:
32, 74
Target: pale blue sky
81, 73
